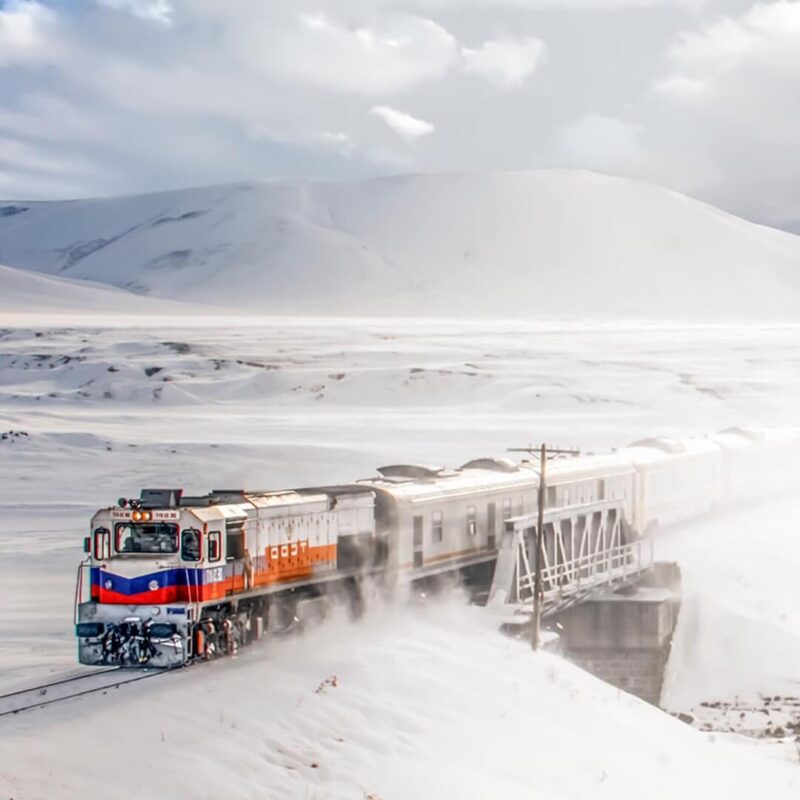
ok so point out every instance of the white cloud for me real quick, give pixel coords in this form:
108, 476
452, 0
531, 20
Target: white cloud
505, 62
590, 5
768, 33
744, 68
34, 118
22, 155
596, 141
24, 28
158, 11
28, 170
403, 124
391, 54
335, 137
284, 88
681, 86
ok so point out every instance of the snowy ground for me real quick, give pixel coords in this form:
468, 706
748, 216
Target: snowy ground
740, 613
428, 702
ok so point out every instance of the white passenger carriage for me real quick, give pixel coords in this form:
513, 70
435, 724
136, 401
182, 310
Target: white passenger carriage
738, 448
676, 479
438, 519
758, 462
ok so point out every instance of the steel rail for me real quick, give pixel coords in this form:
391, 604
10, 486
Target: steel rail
81, 677
46, 694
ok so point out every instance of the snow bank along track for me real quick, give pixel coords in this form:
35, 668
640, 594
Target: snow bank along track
68, 688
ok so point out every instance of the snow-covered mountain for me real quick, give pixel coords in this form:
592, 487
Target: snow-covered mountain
546, 243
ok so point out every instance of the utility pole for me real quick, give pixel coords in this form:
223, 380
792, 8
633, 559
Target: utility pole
537, 569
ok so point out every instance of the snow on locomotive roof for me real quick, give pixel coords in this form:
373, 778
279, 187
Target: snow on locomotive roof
773, 435
733, 439
412, 471
666, 445
759, 435
236, 504
495, 464
591, 465
461, 482
661, 448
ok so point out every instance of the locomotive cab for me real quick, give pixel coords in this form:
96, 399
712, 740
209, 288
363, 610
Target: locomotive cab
141, 567
169, 578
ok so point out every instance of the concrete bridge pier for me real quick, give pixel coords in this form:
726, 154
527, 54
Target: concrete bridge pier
624, 637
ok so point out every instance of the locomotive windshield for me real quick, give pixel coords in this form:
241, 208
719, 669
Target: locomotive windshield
146, 537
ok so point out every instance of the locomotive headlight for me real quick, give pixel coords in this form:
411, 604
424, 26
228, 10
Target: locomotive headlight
155, 611
136, 516
153, 585
108, 585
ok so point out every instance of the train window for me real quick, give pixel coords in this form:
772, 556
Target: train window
437, 526
506, 508
472, 524
566, 497
551, 496
190, 545
146, 537
520, 507
102, 544
214, 549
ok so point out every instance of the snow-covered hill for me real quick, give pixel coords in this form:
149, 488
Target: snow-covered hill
551, 243
23, 291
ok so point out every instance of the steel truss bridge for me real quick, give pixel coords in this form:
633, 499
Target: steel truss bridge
585, 548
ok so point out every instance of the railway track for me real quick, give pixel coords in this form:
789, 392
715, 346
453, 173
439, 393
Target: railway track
58, 691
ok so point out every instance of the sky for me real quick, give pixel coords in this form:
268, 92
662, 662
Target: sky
105, 97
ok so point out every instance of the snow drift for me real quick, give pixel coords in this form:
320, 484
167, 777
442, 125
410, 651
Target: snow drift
551, 243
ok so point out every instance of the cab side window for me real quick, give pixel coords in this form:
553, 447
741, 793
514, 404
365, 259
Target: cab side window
214, 546
102, 544
190, 545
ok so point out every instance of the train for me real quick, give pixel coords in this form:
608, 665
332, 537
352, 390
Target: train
170, 578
